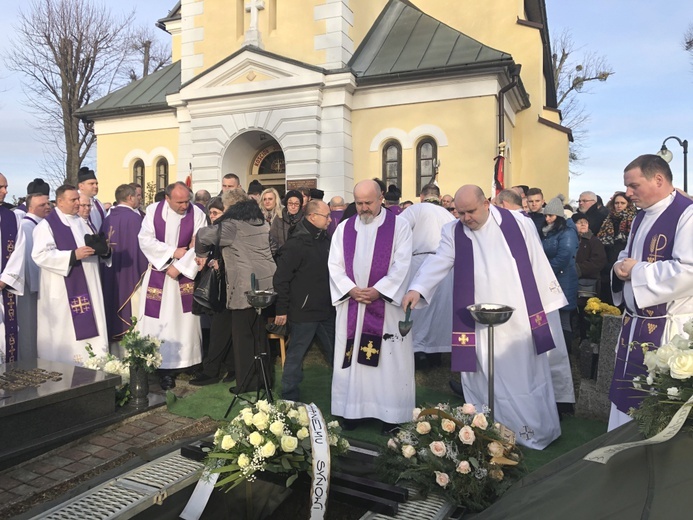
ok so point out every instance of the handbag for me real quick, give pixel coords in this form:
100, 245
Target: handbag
210, 290
587, 288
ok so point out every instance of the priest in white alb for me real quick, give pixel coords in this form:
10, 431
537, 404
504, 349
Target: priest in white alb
369, 262
496, 257
166, 239
11, 277
653, 276
70, 303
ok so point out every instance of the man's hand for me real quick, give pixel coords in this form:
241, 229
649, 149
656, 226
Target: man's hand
370, 295
2, 285
623, 268
411, 297
172, 272
83, 252
200, 261
280, 320
180, 253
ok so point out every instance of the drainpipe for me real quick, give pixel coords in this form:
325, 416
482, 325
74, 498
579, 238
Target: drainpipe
514, 75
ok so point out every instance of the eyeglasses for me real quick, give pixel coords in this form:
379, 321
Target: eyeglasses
293, 204
586, 200
325, 216
85, 205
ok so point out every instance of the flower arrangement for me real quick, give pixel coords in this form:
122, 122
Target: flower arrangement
455, 451
669, 381
594, 310
141, 351
267, 437
111, 364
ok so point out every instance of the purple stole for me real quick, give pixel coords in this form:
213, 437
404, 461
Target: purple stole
463, 325
396, 210
155, 289
658, 245
22, 207
374, 316
99, 208
27, 217
81, 308
8, 229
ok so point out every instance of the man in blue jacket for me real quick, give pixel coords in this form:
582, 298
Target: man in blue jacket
302, 283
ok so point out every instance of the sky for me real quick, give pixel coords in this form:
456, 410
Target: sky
646, 100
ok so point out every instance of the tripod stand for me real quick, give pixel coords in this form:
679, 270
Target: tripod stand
258, 367
259, 300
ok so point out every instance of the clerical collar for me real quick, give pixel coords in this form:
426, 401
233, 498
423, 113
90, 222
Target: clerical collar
661, 205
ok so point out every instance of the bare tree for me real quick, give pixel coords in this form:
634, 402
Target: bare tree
71, 52
688, 40
574, 75
149, 53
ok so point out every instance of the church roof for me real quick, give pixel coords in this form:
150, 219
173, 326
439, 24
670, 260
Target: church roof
144, 95
407, 43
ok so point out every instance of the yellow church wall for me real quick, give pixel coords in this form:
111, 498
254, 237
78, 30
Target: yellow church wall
470, 128
284, 28
117, 153
175, 48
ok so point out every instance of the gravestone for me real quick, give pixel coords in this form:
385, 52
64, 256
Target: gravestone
44, 402
593, 399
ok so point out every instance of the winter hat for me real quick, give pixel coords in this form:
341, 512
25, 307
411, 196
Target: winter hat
294, 193
316, 194
255, 188
38, 186
85, 174
393, 194
554, 207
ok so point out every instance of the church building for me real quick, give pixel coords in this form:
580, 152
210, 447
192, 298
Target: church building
325, 93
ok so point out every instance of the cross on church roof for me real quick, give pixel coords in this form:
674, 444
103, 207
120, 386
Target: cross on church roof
252, 35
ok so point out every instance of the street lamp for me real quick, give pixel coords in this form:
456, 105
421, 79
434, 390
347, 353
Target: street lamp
666, 154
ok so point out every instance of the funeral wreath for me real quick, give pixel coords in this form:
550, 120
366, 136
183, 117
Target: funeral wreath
668, 384
271, 437
454, 451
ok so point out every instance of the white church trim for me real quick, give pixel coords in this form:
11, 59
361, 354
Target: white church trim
408, 139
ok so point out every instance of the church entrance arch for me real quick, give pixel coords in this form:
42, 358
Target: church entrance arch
256, 156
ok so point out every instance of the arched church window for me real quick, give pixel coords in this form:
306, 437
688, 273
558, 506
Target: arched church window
426, 158
392, 163
161, 174
138, 172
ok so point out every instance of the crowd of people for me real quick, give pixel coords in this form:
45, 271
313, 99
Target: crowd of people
75, 274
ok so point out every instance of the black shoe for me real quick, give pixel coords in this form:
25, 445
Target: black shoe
350, 424
167, 382
230, 377
435, 360
389, 428
203, 379
420, 360
456, 387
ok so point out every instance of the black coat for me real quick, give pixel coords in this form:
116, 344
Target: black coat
302, 279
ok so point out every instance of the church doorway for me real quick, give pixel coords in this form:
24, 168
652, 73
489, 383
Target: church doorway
257, 156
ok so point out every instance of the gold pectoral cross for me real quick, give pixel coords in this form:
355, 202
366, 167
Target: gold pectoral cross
349, 352
369, 350
463, 339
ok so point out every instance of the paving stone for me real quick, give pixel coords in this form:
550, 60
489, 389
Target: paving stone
57, 461
107, 454
77, 468
43, 483
130, 429
104, 441
7, 497
157, 418
24, 490
23, 475
40, 467
90, 448
74, 454
7, 482
60, 474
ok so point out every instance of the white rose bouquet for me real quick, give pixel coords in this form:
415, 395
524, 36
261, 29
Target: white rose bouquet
668, 383
454, 451
270, 437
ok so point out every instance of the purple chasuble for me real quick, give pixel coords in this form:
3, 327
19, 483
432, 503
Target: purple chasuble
658, 245
78, 298
152, 307
128, 264
336, 215
22, 207
396, 210
463, 325
8, 229
374, 316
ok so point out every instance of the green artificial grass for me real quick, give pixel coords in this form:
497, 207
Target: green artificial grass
214, 400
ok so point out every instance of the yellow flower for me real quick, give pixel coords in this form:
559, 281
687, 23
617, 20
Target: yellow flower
243, 460
289, 443
255, 438
277, 428
261, 420
268, 449
227, 442
303, 416
302, 433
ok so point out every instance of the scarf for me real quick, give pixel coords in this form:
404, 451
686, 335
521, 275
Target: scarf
616, 226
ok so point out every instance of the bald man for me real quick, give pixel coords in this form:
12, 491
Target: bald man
369, 264
496, 257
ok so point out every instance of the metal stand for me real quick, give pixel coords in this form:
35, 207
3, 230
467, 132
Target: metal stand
258, 365
491, 363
